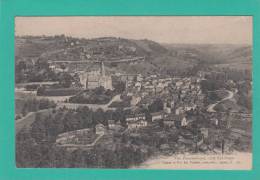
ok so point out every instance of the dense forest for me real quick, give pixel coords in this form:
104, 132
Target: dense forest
32, 105
36, 147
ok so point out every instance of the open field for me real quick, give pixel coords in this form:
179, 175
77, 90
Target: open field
27, 121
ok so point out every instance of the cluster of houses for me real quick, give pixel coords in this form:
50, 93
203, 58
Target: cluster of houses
179, 95
134, 121
155, 85
189, 93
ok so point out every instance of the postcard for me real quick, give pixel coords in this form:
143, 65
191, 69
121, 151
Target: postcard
133, 92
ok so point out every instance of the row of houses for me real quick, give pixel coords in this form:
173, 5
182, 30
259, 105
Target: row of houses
134, 121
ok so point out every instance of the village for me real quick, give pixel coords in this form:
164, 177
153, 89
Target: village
172, 104
91, 104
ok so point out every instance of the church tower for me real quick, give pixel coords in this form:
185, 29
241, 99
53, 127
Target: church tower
102, 69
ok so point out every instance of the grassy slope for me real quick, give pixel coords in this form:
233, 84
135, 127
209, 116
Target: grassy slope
34, 47
163, 57
27, 121
226, 55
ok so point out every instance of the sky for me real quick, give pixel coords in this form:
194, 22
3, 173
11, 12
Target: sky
162, 29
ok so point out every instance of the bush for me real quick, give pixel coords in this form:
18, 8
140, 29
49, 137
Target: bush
32, 87
118, 104
18, 117
33, 105
95, 96
57, 92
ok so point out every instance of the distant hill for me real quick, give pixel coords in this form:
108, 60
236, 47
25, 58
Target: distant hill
158, 57
219, 55
73, 49
33, 47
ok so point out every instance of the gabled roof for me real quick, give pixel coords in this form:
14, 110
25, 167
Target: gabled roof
111, 121
100, 125
156, 113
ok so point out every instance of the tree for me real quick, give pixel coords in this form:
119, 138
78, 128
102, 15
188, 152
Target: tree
21, 66
119, 86
24, 109
41, 64
38, 131
99, 116
77, 80
119, 115
99, 90
66, 80
63, 67
156, 106
43, 104
108, 116
41, 90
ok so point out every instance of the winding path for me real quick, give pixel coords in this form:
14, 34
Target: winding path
91, 106
229, 96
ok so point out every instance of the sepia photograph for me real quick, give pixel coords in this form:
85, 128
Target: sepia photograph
133, 92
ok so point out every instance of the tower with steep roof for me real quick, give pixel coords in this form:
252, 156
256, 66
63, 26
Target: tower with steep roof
102, 69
